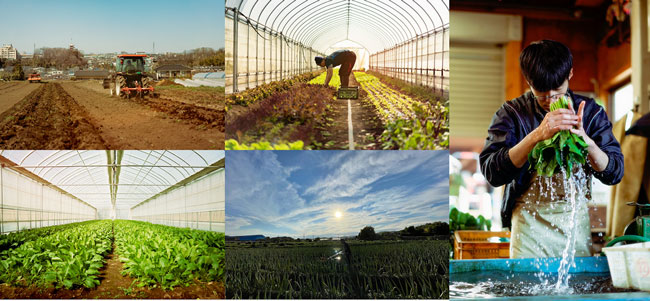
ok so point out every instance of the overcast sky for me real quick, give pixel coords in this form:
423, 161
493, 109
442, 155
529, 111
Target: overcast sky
334, 193
113, 26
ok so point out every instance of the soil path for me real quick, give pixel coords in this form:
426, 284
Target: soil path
366, 125
132, 124
48, 118
12, 92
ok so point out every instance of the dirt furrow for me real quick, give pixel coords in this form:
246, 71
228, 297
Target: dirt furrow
201, 116
48, 118
131, 124
366, 126
9, 85
12, 92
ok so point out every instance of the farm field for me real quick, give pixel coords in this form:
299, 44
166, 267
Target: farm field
82, 115
303, 110
380, 269
13, 92
112, 259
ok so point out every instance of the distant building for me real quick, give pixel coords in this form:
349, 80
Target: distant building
9, 52
167, 71
246, 238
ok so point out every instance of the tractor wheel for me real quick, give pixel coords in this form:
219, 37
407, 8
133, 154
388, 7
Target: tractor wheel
120, 82
146, 83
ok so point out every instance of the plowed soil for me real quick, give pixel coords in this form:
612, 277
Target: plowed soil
48, 118
82, 115
12, 92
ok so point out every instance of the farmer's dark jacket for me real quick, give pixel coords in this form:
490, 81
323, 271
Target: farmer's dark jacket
516, 119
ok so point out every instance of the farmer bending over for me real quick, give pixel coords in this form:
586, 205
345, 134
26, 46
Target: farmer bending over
540, 220
345, 58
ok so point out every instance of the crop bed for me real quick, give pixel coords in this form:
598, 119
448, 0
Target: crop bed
382, 118
112, 259
167, 256
67, 258
413, 269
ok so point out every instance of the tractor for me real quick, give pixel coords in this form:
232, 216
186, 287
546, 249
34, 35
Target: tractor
34, 78
130, 78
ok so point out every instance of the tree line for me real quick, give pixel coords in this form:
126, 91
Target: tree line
65, 58
196, 57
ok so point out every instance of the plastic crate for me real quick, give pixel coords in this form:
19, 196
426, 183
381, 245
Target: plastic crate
471, 244
629, 265
348, 93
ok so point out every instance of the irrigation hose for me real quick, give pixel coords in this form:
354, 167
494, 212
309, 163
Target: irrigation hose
627, 238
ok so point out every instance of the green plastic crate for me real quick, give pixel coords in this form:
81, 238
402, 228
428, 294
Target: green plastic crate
348, 93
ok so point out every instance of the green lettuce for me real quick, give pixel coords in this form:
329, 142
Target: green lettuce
563, 150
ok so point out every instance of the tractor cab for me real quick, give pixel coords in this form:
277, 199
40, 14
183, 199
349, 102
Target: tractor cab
130, 77
130, 64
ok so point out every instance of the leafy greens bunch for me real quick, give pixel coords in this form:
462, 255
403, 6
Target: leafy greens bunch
563, 151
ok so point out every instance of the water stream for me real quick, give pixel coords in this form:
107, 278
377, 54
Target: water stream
566, 194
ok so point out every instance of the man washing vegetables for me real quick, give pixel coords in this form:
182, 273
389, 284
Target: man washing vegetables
345, 58
524, 131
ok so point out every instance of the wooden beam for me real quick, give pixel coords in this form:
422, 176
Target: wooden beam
640, 57
513, 78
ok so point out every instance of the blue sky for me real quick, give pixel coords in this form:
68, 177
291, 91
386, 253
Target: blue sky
113, 26
289, 193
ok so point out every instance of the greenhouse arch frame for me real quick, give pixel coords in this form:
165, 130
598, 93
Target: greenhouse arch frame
277, 39
174, 188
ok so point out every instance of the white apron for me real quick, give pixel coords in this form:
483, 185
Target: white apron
541, 221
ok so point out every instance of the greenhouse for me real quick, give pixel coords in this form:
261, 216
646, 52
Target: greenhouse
399, 78
94, 224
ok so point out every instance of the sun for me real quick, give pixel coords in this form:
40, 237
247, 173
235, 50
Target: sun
338, 214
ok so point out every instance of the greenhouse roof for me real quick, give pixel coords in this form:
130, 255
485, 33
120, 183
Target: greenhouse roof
375, 24
134, 175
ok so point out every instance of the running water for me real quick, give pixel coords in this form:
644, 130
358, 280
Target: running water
571, 193
574, 190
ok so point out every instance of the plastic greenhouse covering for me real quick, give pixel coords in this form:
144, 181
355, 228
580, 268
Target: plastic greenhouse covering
176, 188
272, 40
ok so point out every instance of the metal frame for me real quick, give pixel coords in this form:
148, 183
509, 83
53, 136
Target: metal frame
182, 217
394, 31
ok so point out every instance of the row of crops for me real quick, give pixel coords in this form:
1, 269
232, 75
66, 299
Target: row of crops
70, 257
166, 256
301, 112
73, 255
288, 114
413, 269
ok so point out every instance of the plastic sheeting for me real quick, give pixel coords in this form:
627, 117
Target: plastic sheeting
376, 24
26, 203
74, 186
277, 39
198, 205
84, 174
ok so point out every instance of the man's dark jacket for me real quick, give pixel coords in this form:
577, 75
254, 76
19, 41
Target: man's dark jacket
516, 119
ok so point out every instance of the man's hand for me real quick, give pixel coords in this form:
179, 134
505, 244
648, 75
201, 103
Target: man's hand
555, 121
328, 77
596, 156
579, 128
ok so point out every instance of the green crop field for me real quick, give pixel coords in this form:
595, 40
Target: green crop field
396, 269
74, 256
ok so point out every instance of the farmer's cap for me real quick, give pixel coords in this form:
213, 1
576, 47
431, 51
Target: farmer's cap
318, 60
